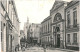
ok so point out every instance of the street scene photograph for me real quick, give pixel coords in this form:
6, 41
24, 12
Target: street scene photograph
39, 25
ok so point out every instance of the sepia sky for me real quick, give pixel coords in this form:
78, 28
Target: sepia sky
35, 10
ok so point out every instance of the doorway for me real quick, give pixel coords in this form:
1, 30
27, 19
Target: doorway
35, 42
58, 40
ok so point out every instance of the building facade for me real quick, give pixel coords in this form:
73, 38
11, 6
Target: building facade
22, 38
3, 25
33, 33
22, 35
26, 27
64, 25
9, 24
72, 25
58, 23
46, 39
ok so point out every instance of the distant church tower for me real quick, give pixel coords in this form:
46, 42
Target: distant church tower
27, 20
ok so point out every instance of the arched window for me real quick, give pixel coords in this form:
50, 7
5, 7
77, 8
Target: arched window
57, 17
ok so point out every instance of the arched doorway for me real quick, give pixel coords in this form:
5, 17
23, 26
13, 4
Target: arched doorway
58, 40
57, 37
57, 26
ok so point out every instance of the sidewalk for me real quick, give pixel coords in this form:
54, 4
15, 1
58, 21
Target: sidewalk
19, 51
63, 49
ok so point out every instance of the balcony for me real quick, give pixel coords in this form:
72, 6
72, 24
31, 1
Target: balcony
72, 28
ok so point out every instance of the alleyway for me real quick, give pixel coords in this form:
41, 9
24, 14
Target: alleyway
40, 49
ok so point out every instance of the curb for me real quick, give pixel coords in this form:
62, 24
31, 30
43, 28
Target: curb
63, 49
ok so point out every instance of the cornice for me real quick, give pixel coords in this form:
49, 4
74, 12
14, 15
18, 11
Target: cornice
71, 4
52, 10
58, 22
46, 19
14, 7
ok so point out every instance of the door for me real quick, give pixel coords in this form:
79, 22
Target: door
58, 40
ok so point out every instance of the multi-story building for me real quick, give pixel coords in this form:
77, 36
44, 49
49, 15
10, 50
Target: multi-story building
3, 22
36, 37
22, 35
26, 27
33, 33
22, 38
46, 32
72, 12
65, 24
58, 23
9, 26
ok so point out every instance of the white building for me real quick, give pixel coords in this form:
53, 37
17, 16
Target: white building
33, 33
26, 27
9, 25
65, 24
22, 35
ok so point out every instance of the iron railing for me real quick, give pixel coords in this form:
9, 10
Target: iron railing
72, 26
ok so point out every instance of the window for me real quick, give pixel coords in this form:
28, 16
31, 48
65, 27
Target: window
44, 28
1, 25
54, 29
68, 19
57, 17
68, 38
74, 17
1, 36
75, 38
57, 29
1, 31
48, 39
48, 27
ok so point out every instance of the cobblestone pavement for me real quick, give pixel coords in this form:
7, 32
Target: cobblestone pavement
40, 49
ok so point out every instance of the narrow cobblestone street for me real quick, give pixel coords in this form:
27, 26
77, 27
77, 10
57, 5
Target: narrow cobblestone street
40, 49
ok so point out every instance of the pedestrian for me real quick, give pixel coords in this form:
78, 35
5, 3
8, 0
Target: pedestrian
15, 49
44, 48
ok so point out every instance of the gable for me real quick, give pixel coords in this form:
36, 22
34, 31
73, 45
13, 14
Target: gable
57, 4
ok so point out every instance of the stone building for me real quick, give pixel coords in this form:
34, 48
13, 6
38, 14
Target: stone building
3, 22
58, 23
22, 38
65, 24
46, 32
72, 12
22, 35
33, 33
26, 27
9, 25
